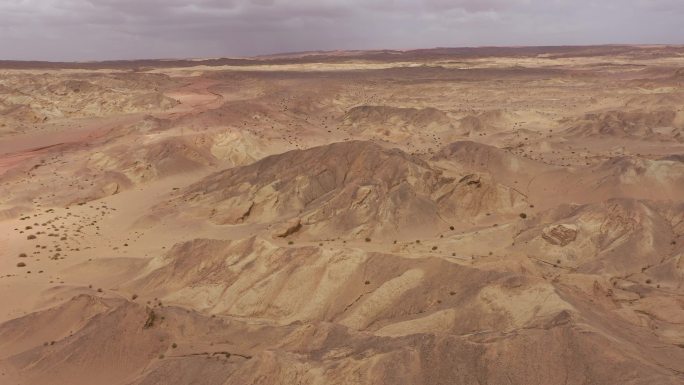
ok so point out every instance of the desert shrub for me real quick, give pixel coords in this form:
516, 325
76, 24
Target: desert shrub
21, 264
151, 317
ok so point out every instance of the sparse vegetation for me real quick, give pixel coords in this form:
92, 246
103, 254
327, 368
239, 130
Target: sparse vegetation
244, 188
151, 318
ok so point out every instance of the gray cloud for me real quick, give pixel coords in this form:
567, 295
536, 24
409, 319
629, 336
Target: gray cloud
109, 29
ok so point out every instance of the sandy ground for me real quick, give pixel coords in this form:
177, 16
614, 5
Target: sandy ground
361, 218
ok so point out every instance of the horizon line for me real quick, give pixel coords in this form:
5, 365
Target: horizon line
285, 54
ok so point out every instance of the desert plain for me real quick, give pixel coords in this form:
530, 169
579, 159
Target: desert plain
442, 216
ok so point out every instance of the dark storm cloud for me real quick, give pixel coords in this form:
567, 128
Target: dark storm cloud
105, 29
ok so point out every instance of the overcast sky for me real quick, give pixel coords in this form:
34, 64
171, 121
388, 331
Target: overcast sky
128, 29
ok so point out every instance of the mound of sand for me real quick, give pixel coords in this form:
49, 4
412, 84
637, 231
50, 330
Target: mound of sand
255, 278
631, 177
395, 122
489, 121
621, 123
618, 177
79, 339
617, 237
75, 95
506, 167
349, 188
315, 316
152, 159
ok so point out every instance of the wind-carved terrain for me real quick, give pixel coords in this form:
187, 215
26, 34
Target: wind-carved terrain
422, 217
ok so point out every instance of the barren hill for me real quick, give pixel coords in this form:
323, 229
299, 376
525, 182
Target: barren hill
450, 216
349, 188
